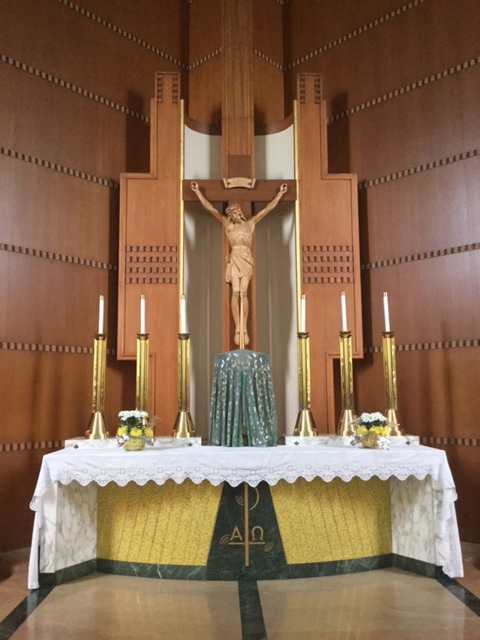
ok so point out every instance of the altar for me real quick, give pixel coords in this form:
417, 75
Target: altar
167, 512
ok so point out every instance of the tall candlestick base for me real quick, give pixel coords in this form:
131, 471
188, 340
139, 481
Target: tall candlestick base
347, 416
345, 422
183, 427
97, 428
305, 424
141, 374
390, 380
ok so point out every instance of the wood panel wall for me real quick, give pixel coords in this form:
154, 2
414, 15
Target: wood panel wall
76, 80
401, 80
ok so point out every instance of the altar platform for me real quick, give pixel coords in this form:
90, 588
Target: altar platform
209, 512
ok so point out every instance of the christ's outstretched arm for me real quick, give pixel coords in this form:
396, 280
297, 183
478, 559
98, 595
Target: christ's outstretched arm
271, 205
206, 204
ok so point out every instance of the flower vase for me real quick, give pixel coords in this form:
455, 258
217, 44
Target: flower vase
370, 441
134, 444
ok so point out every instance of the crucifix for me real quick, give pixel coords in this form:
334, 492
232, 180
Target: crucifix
239, 190
151, 227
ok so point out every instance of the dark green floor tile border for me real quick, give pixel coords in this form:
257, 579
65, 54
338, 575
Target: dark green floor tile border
251, 615
286, 572
161, 571
465, 596
253, 626
11, 623
68, 574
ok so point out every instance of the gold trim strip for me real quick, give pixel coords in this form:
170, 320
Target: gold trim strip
181, 243
298, 266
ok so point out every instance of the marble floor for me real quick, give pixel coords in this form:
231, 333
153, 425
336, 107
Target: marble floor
388, 604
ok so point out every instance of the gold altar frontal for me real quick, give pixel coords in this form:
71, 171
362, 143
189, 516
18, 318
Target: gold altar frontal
185, 525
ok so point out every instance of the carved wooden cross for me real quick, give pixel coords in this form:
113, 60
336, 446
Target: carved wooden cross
238, 162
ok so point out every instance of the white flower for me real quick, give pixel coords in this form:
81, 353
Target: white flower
124, 415
371, 417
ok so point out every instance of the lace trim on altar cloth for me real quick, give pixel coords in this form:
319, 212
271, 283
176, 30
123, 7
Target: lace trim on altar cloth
122, 475
253, 465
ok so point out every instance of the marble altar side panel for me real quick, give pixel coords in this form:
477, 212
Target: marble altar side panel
413, 519
68, 535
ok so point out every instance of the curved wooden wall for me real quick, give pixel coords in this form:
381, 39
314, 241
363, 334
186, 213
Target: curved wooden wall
76, 82
401, 81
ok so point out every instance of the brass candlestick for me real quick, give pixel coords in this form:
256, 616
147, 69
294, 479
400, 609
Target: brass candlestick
390, 378
97, 428
141, 376
347, 416
183, 427
305, 424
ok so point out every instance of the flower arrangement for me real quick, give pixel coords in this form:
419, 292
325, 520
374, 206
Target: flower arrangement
371, 430
375, 423
135, 424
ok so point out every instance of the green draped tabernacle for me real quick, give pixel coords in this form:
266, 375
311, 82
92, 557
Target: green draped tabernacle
242, 396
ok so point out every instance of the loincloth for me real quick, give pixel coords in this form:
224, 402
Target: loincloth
240, 264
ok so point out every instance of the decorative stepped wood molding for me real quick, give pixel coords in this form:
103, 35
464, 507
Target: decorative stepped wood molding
441, 440
151, 264
424, 255
426, 166
31, 446
327, 264
52, 255
417, 84
122, 32
70, 86
49, 348
47, 164
213, 54
467, 343
356, 32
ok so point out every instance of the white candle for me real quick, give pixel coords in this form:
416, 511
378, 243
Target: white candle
142, 314
385, 311
303, 304
183, 314
101, 305
343, 306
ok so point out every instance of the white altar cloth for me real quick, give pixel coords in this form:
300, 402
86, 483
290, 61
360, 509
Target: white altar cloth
253, 465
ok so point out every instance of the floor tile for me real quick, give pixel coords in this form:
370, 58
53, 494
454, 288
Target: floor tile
389, 605
104, 607
13, 580
471, 566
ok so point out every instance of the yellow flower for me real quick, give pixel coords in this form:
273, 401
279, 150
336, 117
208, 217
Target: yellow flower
380, 431
136, 432
361, 430
148, 432
121, 431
